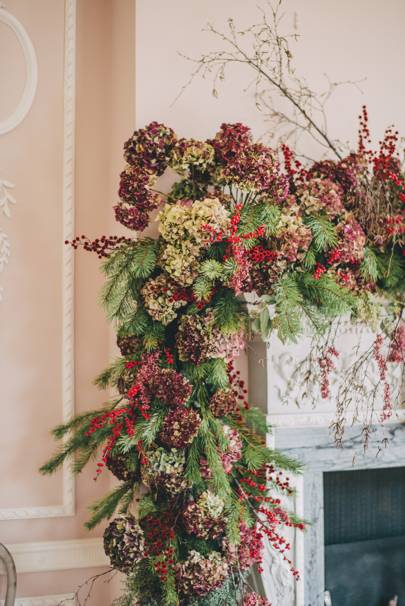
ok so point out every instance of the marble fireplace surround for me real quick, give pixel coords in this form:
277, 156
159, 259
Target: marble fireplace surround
315, 448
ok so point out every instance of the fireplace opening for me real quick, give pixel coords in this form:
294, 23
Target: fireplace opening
364, 533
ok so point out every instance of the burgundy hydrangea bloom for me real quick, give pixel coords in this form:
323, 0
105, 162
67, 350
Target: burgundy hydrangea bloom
223, 403
150, 147
200, 524
192, 339
134, 187
198, 575
164, 384
352, 240
230, 141
248, 165
322, 195
343, 173
180, 427
131, 216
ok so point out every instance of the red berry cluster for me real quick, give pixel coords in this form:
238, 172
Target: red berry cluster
238, 385
326, 366
165, 565
259, 254
103, 246
158, 530
319, 271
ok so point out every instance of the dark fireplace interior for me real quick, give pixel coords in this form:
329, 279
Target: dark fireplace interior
365, 536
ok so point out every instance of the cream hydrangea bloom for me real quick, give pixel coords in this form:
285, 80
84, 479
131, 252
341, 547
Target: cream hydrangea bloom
187, 229
180, 262
211, 504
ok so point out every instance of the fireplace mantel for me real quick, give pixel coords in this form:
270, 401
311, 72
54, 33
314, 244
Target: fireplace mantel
303, 432
315, 448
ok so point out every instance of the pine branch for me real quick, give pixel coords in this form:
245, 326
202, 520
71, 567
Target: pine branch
111, 374
288, 308
369, 265
263, 214
233, 512
219, 480
323, 232
202, 288
257, 455
145, 430
331, 298
211, 269
218, 376
146, 506
145, 257
83, 457
228, 312
193, 473
125, 270
256, 420
106, 506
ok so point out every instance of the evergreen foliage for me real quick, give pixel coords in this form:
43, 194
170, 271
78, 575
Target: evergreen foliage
240, 247
105, 507
323, 232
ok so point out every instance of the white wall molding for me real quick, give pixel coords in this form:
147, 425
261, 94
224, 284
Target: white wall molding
31, 79
48, 556
67, 508
44, 600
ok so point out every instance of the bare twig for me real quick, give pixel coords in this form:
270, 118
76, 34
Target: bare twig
267, 54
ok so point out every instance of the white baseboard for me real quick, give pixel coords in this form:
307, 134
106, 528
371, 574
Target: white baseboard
45, 600
58, 555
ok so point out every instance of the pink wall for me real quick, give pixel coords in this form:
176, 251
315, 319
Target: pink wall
31, 334
347, 40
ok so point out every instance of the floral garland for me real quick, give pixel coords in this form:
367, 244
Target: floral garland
319, 241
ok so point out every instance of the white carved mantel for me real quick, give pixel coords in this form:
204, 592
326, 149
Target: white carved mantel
302, 431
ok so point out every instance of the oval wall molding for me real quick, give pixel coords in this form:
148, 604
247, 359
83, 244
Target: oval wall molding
31, 80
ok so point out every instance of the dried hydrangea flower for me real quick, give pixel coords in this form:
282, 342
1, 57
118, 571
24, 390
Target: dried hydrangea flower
352, 240
150, 148
129, 344
162, 298
233, 452
165, 470
199, 339
199, 574
226, 347
180, 261
131, 217
321, 195
180, 426
187, 229
123, 466
223, 403
124, 543
188, 220
250, 166
193, 339
192, 155
164, 384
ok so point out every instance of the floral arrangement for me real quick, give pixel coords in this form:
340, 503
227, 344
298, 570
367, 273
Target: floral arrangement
199, 491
